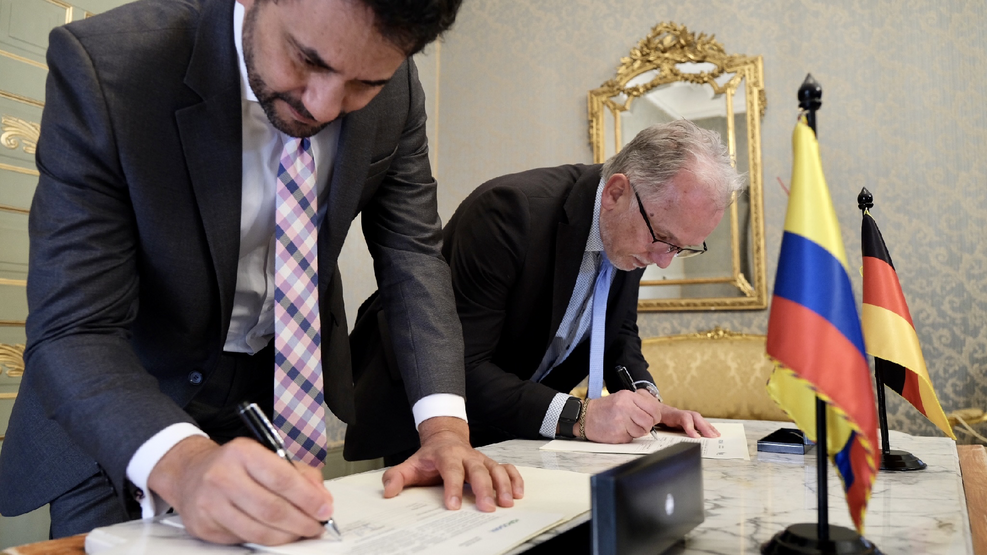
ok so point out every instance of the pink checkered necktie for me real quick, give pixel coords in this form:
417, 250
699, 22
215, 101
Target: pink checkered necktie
298, 396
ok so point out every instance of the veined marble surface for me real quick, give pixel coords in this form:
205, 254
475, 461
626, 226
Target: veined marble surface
748, 502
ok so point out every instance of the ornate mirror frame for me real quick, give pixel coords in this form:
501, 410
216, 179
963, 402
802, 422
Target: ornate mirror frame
661, 52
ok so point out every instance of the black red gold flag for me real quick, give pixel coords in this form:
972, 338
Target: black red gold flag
889, 332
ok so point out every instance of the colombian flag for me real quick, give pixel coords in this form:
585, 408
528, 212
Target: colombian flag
814, 332
889, 330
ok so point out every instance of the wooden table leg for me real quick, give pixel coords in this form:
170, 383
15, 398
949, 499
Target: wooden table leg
973, 465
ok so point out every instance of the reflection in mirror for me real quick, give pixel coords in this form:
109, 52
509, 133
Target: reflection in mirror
672, 74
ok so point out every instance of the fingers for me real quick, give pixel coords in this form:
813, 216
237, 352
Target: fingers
479, 480
290, 496
517, 482
691, 422
503, 482
393, 480
622, 416
704, 427
241, 492
649, 404
446, 455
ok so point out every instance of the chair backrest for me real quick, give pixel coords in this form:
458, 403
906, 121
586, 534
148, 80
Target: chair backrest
719, 373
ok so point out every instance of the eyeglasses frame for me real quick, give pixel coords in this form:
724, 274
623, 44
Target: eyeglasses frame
680, 252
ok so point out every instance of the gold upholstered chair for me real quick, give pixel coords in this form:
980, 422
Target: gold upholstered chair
719, 373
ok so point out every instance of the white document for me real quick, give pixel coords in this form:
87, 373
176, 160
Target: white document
732, 443
415, 521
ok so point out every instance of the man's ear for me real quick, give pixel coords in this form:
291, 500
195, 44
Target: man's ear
617, 192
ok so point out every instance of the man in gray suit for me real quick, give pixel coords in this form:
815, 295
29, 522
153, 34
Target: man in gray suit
151, 273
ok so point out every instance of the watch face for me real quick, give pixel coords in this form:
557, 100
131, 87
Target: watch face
570, 411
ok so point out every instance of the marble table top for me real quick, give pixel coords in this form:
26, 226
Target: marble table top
748, 502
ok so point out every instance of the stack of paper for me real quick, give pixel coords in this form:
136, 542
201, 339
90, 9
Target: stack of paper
413, 522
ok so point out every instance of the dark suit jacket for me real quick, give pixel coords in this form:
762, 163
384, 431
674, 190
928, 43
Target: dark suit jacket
135, 239
514, 246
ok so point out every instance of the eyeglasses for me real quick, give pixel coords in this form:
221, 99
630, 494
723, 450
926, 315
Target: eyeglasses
679, 252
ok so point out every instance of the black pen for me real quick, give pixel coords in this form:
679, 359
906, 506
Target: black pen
625, 377
268, 436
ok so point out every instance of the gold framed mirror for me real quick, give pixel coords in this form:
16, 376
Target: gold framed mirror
673, 74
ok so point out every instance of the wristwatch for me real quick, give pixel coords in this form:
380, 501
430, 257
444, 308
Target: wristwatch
569, 419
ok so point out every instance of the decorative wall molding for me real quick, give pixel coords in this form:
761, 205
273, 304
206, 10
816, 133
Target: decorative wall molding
19, 133
21, 99
12, 359
24, 60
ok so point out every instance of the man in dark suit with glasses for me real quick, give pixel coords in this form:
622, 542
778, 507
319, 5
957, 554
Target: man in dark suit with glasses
532, 254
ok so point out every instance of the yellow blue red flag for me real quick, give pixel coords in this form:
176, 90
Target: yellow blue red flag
814, 332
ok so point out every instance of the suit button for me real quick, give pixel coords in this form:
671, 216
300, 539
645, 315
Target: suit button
195, 378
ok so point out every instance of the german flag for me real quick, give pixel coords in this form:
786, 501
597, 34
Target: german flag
889, 331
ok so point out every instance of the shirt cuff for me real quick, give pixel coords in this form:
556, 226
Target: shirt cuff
551, 421
439, 404
148, 455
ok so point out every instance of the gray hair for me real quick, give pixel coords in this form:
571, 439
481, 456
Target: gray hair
659, 152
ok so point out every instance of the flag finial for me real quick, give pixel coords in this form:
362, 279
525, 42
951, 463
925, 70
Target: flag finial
810, 94
865, 200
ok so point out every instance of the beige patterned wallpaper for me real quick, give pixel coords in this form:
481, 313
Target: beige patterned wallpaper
903, 114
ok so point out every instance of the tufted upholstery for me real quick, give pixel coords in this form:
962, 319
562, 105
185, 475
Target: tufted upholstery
719, 373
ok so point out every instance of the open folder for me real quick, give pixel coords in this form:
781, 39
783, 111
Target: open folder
415, 521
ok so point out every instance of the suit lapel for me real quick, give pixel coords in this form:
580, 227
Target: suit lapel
211, 134
571, 242
349, 173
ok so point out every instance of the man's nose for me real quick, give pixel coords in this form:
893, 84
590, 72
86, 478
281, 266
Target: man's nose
662, 258
324, 97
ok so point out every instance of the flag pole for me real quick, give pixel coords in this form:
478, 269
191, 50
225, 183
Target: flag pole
896, 459
823, 538
810, 100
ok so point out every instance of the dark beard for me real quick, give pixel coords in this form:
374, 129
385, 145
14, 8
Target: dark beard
265, 96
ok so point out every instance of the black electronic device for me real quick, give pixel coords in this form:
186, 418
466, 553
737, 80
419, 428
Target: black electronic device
569, 419
649, 504
790, 441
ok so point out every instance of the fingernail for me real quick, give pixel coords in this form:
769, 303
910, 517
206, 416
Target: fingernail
455, 503
324, 512
489, 502
386, 482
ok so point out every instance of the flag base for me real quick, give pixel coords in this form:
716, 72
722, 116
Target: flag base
803, 539
901, 461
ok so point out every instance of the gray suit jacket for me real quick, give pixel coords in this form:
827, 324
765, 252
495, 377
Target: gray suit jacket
135, 239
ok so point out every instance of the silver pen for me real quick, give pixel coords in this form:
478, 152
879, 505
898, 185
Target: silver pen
265, 432
625, 376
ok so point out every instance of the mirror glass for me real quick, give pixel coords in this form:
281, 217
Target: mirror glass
672, 74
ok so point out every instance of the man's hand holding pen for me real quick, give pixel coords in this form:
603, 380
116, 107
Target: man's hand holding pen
241, 492
634, 412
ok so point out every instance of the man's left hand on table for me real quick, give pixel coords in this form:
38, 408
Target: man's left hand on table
689, 421
446, 456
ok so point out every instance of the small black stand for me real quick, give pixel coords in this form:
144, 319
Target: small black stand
822, 538
893, 460
803, 538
